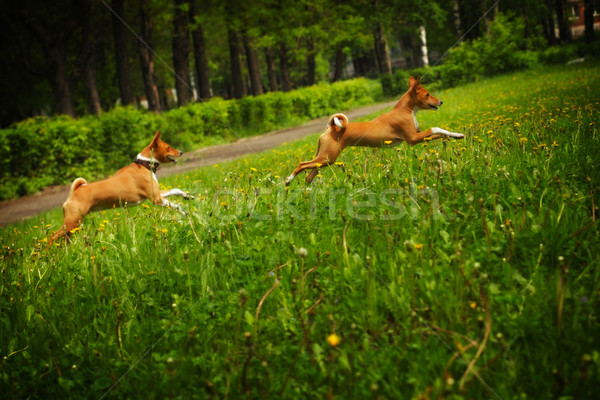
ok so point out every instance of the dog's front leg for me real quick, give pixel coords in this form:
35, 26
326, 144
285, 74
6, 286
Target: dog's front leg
444, 132
167, 203
176, 192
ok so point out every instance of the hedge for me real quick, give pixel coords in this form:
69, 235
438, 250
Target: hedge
44, 151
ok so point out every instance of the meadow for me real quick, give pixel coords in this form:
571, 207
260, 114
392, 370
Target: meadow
451, 269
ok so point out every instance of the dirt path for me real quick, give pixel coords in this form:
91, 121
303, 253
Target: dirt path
16, 210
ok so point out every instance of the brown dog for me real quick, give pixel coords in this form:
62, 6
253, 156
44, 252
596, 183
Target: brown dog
131, 185
398, 125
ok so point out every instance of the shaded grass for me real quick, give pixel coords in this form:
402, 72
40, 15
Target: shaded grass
424, 261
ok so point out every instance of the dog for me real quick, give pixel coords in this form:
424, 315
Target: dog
130, 186
389, 129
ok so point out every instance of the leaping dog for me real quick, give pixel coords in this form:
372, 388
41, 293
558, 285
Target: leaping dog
131, 185
395, 126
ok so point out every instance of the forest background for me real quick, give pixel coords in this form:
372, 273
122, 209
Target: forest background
103, 75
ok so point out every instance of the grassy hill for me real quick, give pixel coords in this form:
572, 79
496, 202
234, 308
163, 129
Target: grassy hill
452, 269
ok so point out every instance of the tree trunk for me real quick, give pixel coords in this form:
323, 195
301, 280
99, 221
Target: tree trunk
54, 45
549, 23
338, 70
286, 83
91, 86
563, 29
239, 88
271, 69
59, 82
588, 17
424, 52
381, 51
253, 67
87, 59
310, 63
181, 52
457, 23
121, 54
202, 75
147, 60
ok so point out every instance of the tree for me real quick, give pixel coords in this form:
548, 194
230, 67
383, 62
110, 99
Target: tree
563, 29
121, 53
271, 69
181, 52
253, 66
54, 43
146, 58
87, 59
286, 82
202, 72
588, 16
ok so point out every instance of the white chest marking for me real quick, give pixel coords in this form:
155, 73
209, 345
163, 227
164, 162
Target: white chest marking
414, 114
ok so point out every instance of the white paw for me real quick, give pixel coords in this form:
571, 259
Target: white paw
289, 179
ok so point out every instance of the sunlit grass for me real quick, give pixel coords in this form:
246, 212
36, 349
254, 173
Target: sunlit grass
391, 276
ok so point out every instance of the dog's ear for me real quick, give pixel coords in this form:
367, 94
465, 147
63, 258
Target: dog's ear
155, 139
414, 83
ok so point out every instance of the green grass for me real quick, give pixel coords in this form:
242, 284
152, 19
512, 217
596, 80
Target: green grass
423, 261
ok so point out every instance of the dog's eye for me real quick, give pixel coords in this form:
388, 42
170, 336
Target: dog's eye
427, 95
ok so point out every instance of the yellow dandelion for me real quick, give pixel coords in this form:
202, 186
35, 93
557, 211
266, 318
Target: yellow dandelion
339, 163
388, 142
555, 144
318, 165
418, 246
490, 131
253, 169
523, 140
473, 305
164, 231
333, 340
145, 206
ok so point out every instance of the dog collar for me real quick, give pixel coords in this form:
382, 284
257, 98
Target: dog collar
150, 165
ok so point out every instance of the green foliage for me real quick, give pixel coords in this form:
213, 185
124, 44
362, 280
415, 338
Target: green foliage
423, 261
41, 151
502, 49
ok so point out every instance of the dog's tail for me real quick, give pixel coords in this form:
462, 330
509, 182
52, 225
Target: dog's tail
339, 120
77, 183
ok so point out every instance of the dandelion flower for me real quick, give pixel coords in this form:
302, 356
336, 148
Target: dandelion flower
388, 142
253, 169
318, 165
333, 340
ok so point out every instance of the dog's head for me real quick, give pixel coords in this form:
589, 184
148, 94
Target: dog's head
423, 99
161, 151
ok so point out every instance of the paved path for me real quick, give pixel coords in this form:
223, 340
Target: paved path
25, 207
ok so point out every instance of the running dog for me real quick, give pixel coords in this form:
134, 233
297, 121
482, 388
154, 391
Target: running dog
130, 186
396, 126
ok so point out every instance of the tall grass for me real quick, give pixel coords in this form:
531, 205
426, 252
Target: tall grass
460, 269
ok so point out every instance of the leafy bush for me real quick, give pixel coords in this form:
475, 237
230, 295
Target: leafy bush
46, 151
